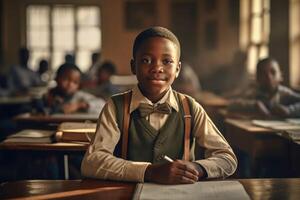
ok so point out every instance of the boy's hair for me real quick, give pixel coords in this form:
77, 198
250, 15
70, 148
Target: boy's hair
151, 32
66, 67
108, 66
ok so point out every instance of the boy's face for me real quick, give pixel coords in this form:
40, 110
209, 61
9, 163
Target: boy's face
69, 82
156, 65
269, 77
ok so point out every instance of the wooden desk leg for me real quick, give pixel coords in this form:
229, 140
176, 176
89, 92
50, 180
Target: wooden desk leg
66, 166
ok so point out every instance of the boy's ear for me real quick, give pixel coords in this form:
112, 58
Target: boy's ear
178, 68
132, 65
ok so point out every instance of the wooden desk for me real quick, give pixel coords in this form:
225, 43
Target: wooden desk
98, 189
58, 146
59, 149
51, 121
258, 143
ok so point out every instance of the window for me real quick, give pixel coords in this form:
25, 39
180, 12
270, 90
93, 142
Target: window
255, 30
54, 31
295, 43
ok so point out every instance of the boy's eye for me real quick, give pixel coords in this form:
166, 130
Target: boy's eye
167, 61
146, 60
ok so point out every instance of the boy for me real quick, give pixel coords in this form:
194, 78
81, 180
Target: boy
66, 96
269, 99
155, 62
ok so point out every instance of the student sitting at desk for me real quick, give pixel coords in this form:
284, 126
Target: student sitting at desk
66, 96
155, 124
269, 98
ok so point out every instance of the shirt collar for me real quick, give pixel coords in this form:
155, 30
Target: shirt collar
138, 97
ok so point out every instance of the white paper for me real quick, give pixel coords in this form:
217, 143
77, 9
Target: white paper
215, 190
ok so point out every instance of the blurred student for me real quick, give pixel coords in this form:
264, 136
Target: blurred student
269, 98
44, 71
104, 86
156, 127
187, 82
92, 71
21, 77
66, 96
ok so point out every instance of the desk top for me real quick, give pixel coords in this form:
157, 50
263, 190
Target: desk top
98, 189
246, 125
210, 99
59, 146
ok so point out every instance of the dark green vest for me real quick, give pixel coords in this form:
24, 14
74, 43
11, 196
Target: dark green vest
147, 144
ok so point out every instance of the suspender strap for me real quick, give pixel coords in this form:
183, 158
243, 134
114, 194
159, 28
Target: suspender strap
126, 118
187, 126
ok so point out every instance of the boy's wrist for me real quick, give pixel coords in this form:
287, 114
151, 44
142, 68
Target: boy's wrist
201, 170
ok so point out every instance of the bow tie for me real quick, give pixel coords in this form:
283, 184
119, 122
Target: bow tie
147, 109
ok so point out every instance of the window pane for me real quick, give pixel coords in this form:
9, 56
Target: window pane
252, 59
266, 27
63, 28
37, 34
88, 16
37, 38
89, 38
263, 51
256, 6
63, 39
84, 59
38, 15
256, 30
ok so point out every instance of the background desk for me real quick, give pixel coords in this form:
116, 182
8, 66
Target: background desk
212, 103
98, 189
62, 150
267, 150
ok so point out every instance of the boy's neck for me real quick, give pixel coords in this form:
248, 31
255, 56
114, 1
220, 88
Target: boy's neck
153, 98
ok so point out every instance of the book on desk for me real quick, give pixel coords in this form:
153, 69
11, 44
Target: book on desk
75, 131
66, 132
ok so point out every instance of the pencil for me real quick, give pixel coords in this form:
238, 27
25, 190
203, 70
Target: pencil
167, 158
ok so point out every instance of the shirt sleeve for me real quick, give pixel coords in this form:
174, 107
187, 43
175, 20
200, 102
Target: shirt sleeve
219, 161
95, 103
99, 161
293, 100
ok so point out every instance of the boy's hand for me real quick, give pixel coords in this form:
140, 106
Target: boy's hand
74, 107
263, 109
280, 110
177, 172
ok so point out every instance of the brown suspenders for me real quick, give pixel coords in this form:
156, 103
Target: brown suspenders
187, 125
126, 118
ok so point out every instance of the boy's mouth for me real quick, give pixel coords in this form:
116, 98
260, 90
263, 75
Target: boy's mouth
157, 78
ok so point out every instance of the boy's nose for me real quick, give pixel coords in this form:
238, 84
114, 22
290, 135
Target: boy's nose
156, 68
